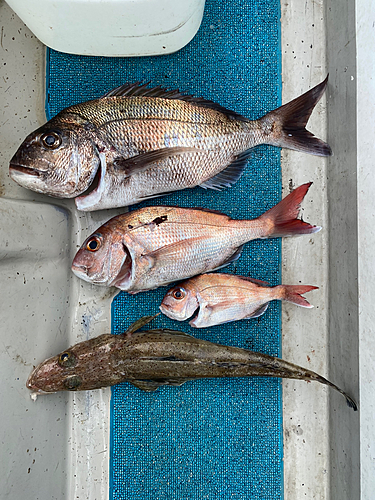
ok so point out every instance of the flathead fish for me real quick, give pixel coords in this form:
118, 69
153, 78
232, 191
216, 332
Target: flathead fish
136, 143
155, 246
150, 359
221, 298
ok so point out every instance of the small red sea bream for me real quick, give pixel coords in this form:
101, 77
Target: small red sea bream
221, 298
136, 143
154, 246
153, 358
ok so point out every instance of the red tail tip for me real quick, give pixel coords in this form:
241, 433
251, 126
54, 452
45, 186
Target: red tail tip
284, 215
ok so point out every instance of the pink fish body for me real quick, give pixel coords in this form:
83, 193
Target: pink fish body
221, 298
155, 246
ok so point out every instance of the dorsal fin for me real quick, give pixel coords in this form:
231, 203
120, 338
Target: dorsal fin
138, 90
255, 281
210, 211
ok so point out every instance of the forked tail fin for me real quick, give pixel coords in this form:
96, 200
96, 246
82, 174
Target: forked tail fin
282, 220
293, 293
286, 125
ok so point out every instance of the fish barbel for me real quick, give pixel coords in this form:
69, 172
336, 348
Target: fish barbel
136, 143
221, 298
155, 246
150, 359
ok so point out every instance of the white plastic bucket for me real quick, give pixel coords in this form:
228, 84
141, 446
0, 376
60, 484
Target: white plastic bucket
112, 27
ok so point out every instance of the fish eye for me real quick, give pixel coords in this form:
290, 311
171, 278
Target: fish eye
94, 244
179, 293
67, 359
72, 383
51, 140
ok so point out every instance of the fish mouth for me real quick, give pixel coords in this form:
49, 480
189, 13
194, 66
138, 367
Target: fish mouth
165, 309
16, 168
82, 273
35, 390
168, 311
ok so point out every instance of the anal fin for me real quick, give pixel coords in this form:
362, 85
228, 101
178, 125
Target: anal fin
228, 176
231, 259
258, 312
153, 385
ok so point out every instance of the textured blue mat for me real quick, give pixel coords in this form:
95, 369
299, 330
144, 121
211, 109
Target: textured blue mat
210, 439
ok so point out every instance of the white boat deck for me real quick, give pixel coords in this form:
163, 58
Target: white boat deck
58, 446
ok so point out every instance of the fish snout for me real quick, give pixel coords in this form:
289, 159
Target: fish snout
32, 387
81, 271
31, 382
172, 313
20, 165
89, 273
164, 308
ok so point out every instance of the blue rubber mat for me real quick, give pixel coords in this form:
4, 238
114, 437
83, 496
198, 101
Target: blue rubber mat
209, 439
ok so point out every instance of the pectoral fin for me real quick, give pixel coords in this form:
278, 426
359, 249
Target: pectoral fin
143, 161
174, 250
153, 385
137, 325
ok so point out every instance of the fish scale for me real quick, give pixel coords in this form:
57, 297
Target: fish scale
140, 143
154, 246
220, 298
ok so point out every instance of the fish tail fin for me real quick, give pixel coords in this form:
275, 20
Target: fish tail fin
309, 375
276, 367
281, 220
285, 126
349, 401
293, 293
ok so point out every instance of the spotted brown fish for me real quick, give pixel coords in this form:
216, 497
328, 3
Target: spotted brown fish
153, 358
